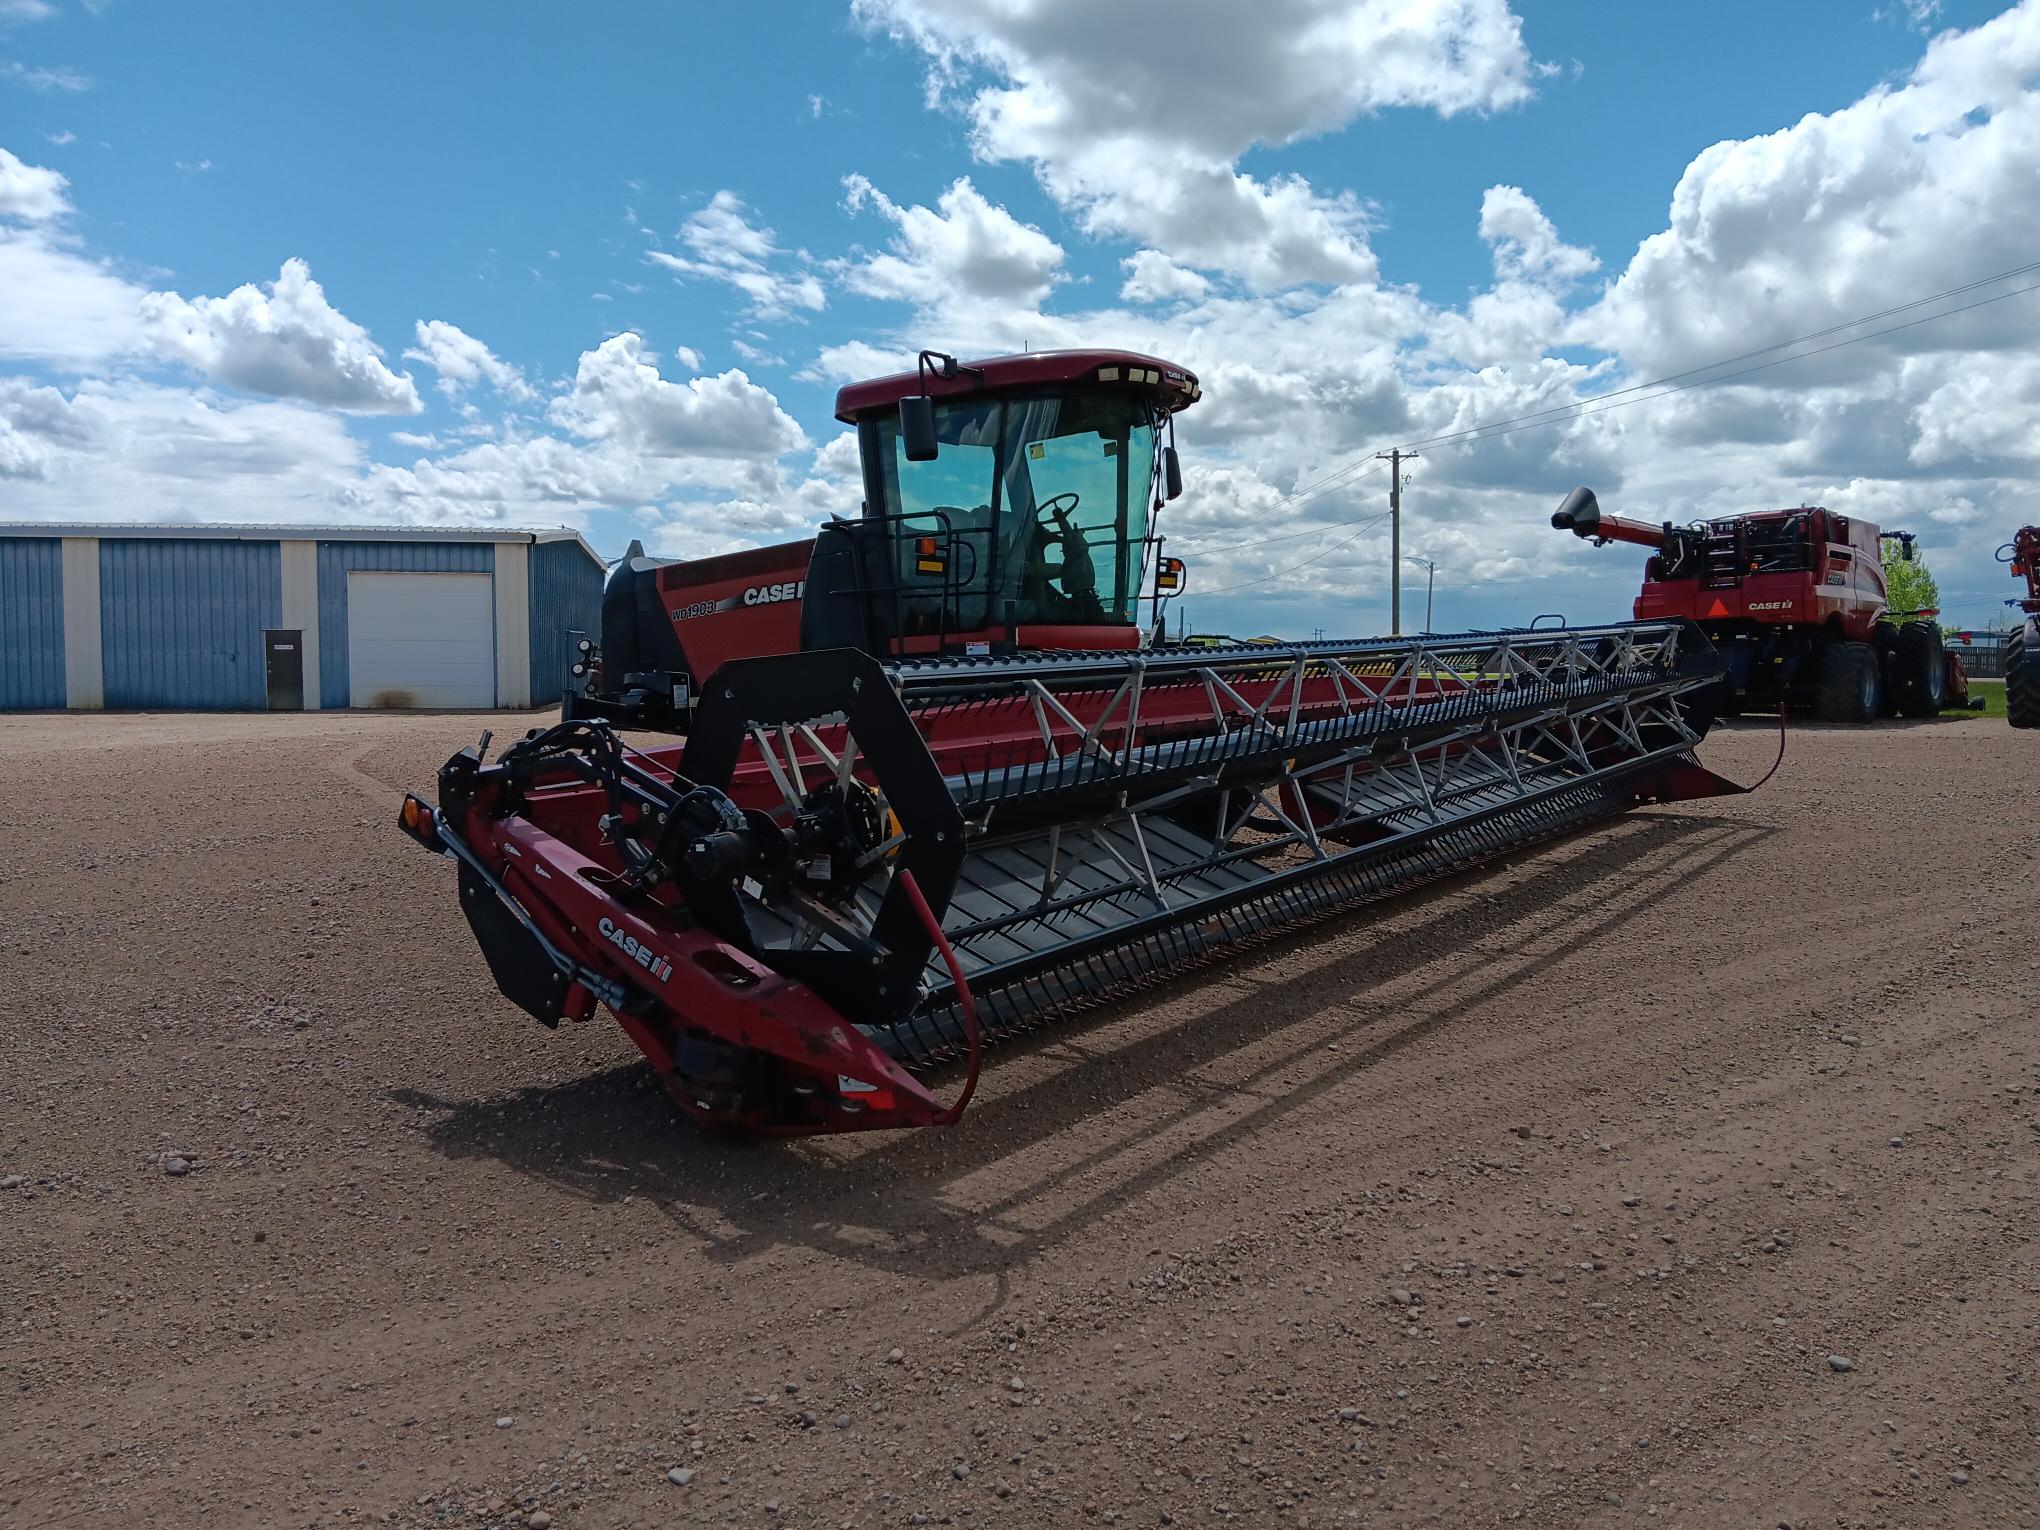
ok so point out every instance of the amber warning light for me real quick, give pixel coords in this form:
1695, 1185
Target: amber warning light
1169, 577
927, 558
418, 822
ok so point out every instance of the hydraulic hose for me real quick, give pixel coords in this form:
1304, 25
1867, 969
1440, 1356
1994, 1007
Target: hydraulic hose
1781, 753
964, 1002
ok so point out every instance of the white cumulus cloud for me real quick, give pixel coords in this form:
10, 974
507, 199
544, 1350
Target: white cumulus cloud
30, 193
1139, 129
285, 342
962, 249
462, 361
129, 450
1911, 190
619, 396
61, 308
1151, 277
725, 245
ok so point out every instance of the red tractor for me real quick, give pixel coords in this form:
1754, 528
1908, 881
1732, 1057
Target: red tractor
1795, 603
2022, 643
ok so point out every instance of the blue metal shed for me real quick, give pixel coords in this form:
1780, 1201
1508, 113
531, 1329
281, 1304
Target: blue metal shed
339, 559
563, 603
31, 623
181, 622
284, 617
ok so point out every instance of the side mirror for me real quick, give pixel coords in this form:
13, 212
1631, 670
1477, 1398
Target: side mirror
1172, 474
917, 428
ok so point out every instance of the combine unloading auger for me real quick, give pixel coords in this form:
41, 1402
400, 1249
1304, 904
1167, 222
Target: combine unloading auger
856, 868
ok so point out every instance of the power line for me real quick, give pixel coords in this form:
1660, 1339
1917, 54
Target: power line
1306, 563
1579, 410
1765, 350
1315, 529
1196, 539
1620, 398
1560, 412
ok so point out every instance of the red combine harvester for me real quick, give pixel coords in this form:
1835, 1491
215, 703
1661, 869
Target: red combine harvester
1794, 600
935, 788
2022, 643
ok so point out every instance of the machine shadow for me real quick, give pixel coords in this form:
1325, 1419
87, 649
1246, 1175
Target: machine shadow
899, 1202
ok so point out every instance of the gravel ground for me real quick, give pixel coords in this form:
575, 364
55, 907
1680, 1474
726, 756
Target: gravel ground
1684, 1173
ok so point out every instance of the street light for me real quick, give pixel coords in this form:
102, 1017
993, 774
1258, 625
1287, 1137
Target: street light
1430, 580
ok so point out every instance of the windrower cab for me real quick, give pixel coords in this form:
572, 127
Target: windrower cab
1010, 505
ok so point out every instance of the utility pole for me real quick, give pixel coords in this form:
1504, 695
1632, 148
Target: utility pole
1430, 583
1395, 460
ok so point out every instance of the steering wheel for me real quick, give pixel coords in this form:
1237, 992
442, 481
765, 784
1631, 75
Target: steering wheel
1055, 507
1079, 576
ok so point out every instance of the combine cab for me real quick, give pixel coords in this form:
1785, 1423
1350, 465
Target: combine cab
2022, 643
966, 797
1795, 602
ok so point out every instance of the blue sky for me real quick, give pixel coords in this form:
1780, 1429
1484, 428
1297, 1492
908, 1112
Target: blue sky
514, 171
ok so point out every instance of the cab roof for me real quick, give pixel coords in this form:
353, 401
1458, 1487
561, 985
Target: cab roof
1166, 384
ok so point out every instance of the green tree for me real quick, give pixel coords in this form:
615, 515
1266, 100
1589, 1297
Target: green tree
1908, 587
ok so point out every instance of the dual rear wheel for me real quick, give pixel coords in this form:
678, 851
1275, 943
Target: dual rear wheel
1855, 688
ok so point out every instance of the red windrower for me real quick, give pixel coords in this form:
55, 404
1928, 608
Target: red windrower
939, 785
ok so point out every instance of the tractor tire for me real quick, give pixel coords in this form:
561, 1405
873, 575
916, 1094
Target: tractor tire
1851, 684
2022, 675
1921, 671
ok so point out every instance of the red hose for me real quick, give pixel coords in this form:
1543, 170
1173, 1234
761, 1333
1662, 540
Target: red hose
933, 925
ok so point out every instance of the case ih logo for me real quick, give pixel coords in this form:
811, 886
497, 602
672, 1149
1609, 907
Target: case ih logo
756, 595
1770, 605
643, 955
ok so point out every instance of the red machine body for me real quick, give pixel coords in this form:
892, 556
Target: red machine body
1808, 567
935, 789
736, 605
1796, 601
2022, 643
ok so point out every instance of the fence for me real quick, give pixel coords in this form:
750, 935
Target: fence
1983, 653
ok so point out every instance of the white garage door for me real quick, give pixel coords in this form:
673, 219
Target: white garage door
421, 640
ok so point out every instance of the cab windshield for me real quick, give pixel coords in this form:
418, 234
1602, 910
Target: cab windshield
1039, 504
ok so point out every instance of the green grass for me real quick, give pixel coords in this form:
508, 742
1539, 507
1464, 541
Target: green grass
1993, 694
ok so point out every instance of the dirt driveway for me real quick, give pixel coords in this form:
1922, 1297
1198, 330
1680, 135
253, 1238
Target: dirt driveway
1681, 1174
